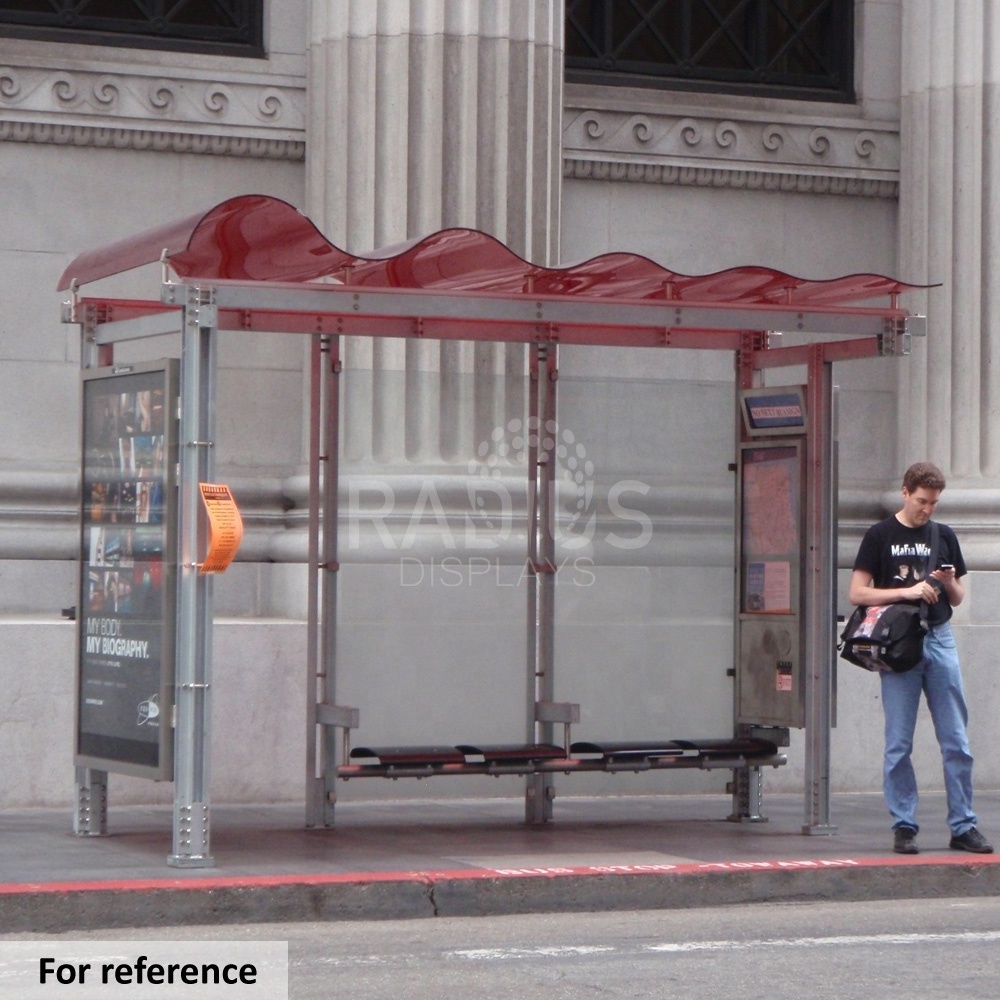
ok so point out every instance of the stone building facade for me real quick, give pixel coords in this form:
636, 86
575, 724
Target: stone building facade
384, 120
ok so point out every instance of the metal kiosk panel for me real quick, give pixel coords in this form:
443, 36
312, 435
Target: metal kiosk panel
126, 619
770, 688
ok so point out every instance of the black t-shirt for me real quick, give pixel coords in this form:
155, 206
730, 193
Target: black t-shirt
897, 556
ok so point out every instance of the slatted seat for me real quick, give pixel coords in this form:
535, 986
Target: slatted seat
533, 758
749, 748
413, 756
510, 753
587, 750
728, 749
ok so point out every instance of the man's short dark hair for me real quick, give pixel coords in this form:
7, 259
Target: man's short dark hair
924, 474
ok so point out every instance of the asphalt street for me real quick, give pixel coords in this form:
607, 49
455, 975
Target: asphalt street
892, 950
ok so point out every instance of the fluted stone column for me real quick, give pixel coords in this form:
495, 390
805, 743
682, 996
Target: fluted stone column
949, 232
427, 114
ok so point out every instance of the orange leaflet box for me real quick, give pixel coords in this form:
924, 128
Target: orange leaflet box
225, 527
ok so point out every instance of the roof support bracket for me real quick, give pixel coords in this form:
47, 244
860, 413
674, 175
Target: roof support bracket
894, 341
201, 311
752, 342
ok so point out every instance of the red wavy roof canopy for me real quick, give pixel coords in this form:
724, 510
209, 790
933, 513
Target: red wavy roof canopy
258, 238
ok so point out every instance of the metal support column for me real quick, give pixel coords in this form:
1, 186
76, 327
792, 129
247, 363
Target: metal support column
90, 815
747, 785
328, 723
820, 605
315, 792
540, 790
747, 789
343, 720
194, 590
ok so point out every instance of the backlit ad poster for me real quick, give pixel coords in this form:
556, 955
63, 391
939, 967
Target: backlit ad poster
126, 619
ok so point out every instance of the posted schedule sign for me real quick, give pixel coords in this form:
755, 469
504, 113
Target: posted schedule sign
126, 618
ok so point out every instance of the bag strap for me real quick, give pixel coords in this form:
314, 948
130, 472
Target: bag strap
935, 538
931, 566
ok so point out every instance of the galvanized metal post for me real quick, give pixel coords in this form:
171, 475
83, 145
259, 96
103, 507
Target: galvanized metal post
191, 842
747, 785
540, 790
820, 612
315, 792
327, 724
330, 572
90, 814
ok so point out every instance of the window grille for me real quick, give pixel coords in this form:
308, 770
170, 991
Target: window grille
231, 27
795, 48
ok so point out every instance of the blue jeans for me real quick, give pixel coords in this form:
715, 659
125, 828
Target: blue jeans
939, 677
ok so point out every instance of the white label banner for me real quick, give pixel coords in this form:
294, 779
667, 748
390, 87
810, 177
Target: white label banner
143, 970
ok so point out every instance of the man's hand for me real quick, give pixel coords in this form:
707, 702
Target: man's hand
923, 591
952, 585
861, 591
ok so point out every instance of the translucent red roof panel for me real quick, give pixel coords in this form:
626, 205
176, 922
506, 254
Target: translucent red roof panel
259, 238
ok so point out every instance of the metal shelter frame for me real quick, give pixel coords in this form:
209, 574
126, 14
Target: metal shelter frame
255, 264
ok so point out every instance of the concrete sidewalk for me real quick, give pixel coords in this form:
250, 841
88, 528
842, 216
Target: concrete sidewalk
471, 857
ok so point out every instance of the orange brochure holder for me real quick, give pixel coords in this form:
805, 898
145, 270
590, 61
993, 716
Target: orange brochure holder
225, 527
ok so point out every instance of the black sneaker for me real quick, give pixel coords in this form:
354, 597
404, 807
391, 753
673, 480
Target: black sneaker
972, 840
905, 841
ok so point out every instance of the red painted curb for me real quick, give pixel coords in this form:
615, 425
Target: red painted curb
209, 883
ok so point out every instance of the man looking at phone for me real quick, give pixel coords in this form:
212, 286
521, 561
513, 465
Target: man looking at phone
891, 566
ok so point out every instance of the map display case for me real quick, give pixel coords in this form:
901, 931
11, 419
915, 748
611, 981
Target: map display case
770, 539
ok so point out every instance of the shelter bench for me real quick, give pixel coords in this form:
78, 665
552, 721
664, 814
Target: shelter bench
498, 759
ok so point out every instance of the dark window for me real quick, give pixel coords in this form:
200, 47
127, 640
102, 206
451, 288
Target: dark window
794, 48
232, 27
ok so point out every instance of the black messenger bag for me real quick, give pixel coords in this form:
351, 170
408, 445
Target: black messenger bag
889, 637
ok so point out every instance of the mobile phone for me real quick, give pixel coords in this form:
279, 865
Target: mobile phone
947, 566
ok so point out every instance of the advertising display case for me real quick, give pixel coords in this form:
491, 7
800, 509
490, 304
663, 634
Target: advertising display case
126, 616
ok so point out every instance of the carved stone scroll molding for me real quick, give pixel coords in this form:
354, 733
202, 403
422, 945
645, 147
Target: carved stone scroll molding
745, 150
145, 139
187, 111
751, 180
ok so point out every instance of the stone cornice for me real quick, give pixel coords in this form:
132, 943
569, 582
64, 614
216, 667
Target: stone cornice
154, 107
148, 139
755, 148
184, 108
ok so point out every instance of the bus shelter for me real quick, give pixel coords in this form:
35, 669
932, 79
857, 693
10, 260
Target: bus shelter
255, 264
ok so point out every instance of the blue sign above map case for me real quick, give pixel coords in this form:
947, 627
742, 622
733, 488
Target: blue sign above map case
774, 411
